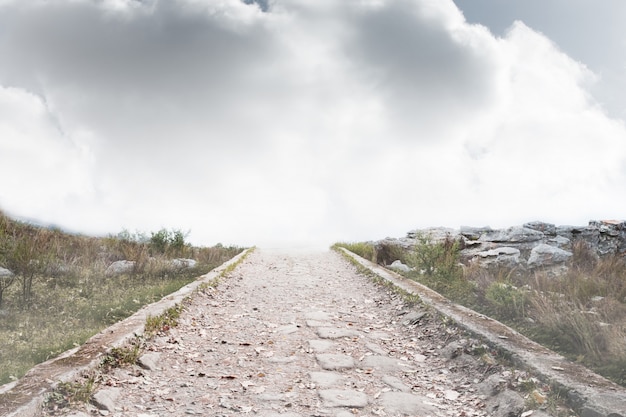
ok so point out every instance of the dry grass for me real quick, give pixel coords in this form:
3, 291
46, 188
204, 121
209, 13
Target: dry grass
581, 314
60, 294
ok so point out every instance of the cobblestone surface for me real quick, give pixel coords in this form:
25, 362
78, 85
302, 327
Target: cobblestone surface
299, 334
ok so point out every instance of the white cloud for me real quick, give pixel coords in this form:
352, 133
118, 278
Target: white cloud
311, 122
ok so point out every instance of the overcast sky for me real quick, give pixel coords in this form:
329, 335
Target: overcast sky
298, 121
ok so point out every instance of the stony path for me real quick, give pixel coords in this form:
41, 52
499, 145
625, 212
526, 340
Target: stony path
299, 334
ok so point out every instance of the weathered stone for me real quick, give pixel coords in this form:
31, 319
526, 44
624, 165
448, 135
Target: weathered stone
149, 361
514, 234
315, 323
474, 233
506, 404
182, 263
492, 385
333, 362
396, 383
120, 267
408, 404
317, 315
377, 335
399, 266
383, 363
548, 229
320, 345
335, 332
560, 241
375, 348
287, 329
105, 399
434, 234
326, 379
413, 318
502, 256
546, 255
343, 398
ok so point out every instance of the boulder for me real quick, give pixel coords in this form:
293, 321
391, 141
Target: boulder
399, 266
506, 404
560, 241
182, 263
120, 267
502, 256
546, 255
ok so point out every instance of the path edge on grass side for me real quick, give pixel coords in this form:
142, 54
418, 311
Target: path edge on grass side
587, 392
25, 397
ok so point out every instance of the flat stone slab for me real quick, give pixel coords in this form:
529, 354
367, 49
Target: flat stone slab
343, 398
149, 361
287, 329
383, 363
407, 404
335, 332
375, 348
105, 399
317, 315
316, 323
320, 345
378, 335
326, 379
396, 383
282, 359
334, 362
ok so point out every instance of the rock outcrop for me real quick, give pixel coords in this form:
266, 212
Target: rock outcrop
530, 246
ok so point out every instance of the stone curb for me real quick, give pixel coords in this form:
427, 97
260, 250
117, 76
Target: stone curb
25, 397
590, 394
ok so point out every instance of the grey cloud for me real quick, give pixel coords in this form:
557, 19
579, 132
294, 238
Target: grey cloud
427, 76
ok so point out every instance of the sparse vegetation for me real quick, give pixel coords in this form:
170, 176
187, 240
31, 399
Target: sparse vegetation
67, 393
580, 314
163, 322
365, 250
60, 295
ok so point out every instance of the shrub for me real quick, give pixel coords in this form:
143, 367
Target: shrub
437, 266
365, 250
507, 300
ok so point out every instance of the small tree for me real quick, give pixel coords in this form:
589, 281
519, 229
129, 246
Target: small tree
5, 282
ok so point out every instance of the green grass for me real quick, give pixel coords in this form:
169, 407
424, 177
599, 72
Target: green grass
60, 295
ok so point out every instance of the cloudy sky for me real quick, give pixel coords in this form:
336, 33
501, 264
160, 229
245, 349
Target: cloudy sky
298, 121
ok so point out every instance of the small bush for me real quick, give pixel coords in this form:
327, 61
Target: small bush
163, 322
118, 357
68, 393
437, 266
507, 300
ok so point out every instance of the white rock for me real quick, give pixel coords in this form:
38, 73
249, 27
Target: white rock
399, 266
120, 267
545, 255
182, 263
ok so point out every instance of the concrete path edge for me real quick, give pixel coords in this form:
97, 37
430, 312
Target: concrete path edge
587, 392
24, 398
